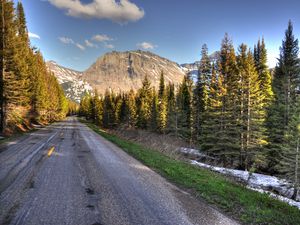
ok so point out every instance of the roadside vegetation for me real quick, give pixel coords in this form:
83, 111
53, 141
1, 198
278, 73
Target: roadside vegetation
247, 206
29, 93
238, 112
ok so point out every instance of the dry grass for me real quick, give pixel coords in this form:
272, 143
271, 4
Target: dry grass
165, 144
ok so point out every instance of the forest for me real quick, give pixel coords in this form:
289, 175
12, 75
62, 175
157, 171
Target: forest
29, 93
239, 111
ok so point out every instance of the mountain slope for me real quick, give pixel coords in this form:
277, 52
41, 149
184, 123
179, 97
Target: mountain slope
71, 81
118, 72
121, 71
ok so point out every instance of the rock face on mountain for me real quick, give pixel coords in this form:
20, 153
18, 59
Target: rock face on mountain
121, 71
118, 72
71, 81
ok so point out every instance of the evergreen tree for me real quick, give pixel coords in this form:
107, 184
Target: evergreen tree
264, 75
132, 109
289, 164
285, 86
251, 110
9, 82
162, 106
144, 103
201, 92
2, 100
22, 56
98, 104
213, 123
229, 137
108, 110
153, 123
185, 108
171, 110
85, 106
118, 109
27, 90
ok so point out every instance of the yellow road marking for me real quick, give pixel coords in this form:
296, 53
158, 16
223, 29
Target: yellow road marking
50, 151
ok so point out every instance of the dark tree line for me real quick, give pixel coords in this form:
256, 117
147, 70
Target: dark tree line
236, 111
28, 91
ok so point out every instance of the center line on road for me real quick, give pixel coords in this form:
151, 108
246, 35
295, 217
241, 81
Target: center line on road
50, 151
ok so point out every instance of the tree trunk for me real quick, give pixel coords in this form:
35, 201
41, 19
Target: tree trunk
2, 102
248, 126
296, 172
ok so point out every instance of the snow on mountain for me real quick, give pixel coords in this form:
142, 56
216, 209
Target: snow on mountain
192, 68
71, 81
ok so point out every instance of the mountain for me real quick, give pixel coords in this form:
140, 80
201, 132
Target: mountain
117, 71
192, 68
121, 71
71, 81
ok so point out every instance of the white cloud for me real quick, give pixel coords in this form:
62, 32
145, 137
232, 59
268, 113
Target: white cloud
69, 41
146, 45
81, 47
120, 11
101, 38
66, 40
33, 35
90, 44
109, 46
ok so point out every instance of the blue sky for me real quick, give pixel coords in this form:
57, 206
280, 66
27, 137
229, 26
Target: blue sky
76, 34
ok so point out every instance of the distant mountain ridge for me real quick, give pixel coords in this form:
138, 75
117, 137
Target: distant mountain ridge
118, 72
122, 71
71, 81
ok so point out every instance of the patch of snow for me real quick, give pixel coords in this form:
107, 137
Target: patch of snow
193, 152
255, 180
279, 197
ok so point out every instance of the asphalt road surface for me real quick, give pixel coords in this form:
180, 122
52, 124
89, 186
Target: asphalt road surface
67, 174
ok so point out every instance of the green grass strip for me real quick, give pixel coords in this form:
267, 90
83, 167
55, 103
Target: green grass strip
247, 206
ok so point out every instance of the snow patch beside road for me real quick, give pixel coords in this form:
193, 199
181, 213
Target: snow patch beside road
259, 182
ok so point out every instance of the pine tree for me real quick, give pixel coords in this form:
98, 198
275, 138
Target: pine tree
23, 48
171, 110
109, 110
285, 86
9, 81
144, 103
28, 91
213, 123
2, 100
98, 104
132, 109
200, 97
265, 79
252, 114
85, 106
153, 123
185, 108
289, 164
162, 106
118, 109
229, 137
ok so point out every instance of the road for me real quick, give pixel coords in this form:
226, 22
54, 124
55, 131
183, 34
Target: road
87, 180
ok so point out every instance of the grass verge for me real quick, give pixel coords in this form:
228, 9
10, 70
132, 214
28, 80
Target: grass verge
247, 206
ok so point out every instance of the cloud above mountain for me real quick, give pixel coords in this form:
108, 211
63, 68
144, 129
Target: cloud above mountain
69, 41
121, 11
101, 38
146, 45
